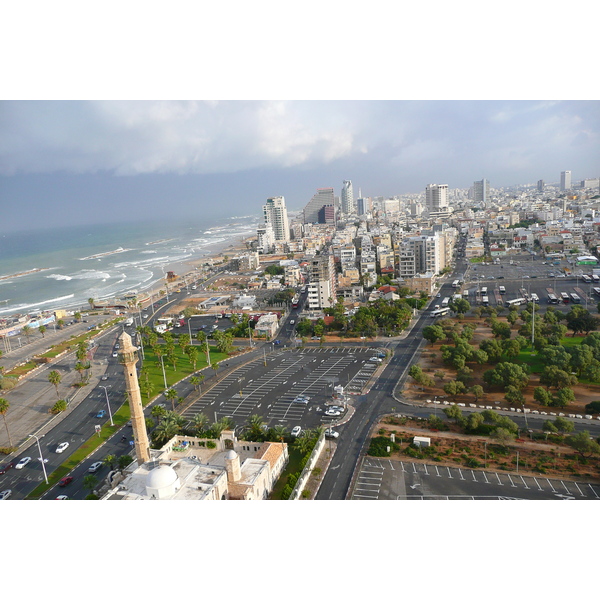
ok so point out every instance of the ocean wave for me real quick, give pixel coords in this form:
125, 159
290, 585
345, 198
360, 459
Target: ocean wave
91, 274
59, 277
101, 254
148, 252
21, 307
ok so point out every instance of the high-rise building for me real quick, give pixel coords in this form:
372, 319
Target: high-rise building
347, 199
275, 213
436, 198
481, 191
327, 215
420, 254
565, 181
322, 286
540, 185
323, 197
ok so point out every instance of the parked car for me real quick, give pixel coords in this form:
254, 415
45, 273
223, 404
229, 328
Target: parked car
65, 481
25, 460
104, 377
301, 400
62, 497
331, 433
5, 494
7, 467
95, 466
62, 447
296, 431
330, 412
115, 355
375, 359
100, 414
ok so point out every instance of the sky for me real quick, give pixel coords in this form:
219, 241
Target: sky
109, 160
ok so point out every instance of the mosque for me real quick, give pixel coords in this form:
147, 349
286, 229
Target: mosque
186, 468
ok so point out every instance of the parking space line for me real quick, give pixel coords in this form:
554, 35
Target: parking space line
511, 481
426, 471
497, 477
526, 487
566, 488
437, 471
550, 485
578, 488
591, 488
473, 473
486, 479
449, 474
538, 484
461, 475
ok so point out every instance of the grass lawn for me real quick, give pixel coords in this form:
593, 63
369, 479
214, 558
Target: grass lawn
174, 373
535, 361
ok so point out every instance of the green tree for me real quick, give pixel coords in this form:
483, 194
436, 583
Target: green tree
563, 397
42, 329
124, 461
54, 378
58, 407
109, 461
505, 374
453, 412
4, 406
564, 425
583, 444
502, 436
460, 306
90, 482
477, 391
91, 302
552, 376
543, 396
172, 395
433, 333
200, 423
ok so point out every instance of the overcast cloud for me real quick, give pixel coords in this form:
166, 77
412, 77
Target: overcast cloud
235, 153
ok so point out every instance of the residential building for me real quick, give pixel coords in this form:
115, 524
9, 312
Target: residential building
275, 213
322, 286
436, 199
348, 204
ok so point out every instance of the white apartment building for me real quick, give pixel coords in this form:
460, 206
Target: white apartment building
275, 214
420, 254
322, 286
436, 199
265, 238
565, 181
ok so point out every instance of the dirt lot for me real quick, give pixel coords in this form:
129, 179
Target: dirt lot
431, 363
450, 448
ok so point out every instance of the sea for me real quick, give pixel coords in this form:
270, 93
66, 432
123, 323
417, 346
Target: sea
60, 268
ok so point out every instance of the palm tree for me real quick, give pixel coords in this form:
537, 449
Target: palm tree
192, 352
109, 460
228, 423
256, 424
215, 368
4, 406
195, 381
200, 422
60, 323
90, 482
165, 430
158, 412
27, 331
42, 330
54, 378
277, 433
91, 302
172, 395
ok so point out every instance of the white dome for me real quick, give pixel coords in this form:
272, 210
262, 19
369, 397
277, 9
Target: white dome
231, 455
161, 477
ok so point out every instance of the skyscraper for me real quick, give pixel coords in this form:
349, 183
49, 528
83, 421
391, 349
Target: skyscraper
347, 199
565, 181
481, 191
540, 185
436, 198
275, 213
323, 197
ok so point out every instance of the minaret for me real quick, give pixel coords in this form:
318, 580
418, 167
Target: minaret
128, 357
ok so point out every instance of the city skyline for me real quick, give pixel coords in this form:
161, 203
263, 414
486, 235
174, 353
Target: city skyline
84, 161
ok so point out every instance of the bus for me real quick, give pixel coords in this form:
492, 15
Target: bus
575, 299
597, 291
456, 283
552, 297
565, 297
484, 291
535, 298
295, 301
596, 278
439, 312
516, 302
502, 289
586, 278
465, 294
445, 302
485, 301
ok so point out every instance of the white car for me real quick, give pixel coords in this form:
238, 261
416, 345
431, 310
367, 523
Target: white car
296, 431
115, 354
23, 462
330, 412
95, 466
5, 494
62, 447
301, 400
375, 359
62, 497
331, 433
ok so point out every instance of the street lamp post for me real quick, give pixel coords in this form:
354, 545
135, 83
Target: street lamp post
37, 439
107, 404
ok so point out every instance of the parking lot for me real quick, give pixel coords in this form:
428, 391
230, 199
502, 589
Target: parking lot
272, 390
386, 479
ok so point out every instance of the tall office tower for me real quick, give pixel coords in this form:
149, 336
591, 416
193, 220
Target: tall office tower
436, 198
481, 191
540, 185
327, 215
565, 181
323, 197
275, 213
128, 357
347, 196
